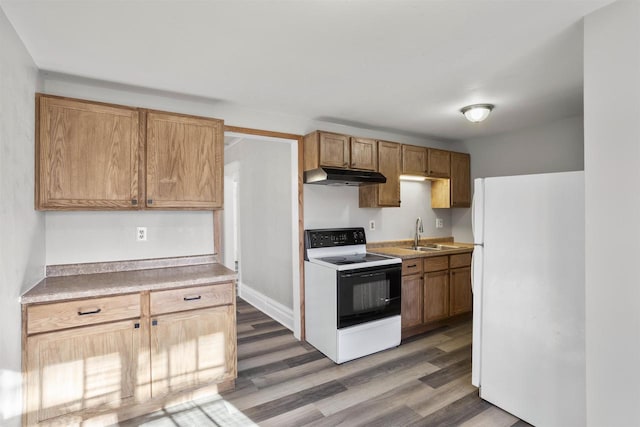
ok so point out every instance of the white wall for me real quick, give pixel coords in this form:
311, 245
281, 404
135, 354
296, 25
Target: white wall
77, 237
556, 146
265, 217
22, 254
612, 173
329, 207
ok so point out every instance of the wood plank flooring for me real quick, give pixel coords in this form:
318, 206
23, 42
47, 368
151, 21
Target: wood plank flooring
282, 382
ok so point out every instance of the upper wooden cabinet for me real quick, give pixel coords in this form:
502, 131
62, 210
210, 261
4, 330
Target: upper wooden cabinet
414, 160
438, 163
92, 156
184, 161
334, 150
86, 155
456, 191
460, 180
339, 151
364, 154
390, 165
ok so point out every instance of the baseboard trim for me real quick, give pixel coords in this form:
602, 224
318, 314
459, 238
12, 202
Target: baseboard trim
269, 306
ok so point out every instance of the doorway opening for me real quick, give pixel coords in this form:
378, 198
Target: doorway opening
260, 233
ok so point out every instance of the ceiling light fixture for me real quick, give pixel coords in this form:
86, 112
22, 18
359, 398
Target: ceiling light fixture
477, 112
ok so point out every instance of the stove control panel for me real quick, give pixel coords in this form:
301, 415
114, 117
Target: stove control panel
331, 237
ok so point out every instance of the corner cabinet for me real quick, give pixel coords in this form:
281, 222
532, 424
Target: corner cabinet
116, 358
96, 156
390, 165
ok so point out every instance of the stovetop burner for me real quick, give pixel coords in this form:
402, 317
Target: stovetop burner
353, 259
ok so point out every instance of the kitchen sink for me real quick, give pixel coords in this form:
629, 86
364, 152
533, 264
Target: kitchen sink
432, 247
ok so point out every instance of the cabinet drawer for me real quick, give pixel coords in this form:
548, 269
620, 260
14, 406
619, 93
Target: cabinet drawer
436, 263
411, 266
460, 260
191, 298
69, 314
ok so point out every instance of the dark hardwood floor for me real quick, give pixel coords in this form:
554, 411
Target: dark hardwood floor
282, 382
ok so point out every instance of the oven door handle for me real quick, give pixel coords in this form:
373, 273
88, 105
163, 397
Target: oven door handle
364, 275
389, 299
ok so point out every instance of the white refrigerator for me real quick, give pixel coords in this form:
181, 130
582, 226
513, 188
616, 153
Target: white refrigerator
529, 296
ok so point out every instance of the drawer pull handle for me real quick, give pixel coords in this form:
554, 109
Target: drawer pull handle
84, 313
193, 298
412, 266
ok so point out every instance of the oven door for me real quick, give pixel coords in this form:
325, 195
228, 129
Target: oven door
368, 294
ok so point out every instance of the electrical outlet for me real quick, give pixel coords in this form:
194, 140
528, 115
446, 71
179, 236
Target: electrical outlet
372, 225
141, 234
439, 223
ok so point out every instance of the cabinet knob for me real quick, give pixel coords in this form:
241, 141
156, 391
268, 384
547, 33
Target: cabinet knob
149, 201
154, 323
134, 202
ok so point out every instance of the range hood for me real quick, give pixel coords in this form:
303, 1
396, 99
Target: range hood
341, 177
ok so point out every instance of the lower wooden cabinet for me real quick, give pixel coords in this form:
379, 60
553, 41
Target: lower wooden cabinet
192, 348
436, 295
411, 300
434, 289
84, 369
460, 297
111, 354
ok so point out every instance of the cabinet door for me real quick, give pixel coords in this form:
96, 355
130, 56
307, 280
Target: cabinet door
86, 155
411, 300
460, 291
90, 367
334, 150
460, 180
192, 348
414, 160
436, 295
389, 164
184, 162
439, 163
364, 154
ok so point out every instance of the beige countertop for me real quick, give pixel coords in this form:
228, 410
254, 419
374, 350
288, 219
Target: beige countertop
63, 287
398, 248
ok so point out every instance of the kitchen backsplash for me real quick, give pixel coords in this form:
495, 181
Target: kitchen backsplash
327, 207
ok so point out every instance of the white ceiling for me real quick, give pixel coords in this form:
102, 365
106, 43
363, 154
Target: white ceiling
402, 66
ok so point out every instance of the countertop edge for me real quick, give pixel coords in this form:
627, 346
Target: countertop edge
138, 282
405, 254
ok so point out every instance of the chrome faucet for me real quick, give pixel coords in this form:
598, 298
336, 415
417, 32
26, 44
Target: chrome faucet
419, 229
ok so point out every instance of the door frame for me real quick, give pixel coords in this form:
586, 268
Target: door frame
217, 216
